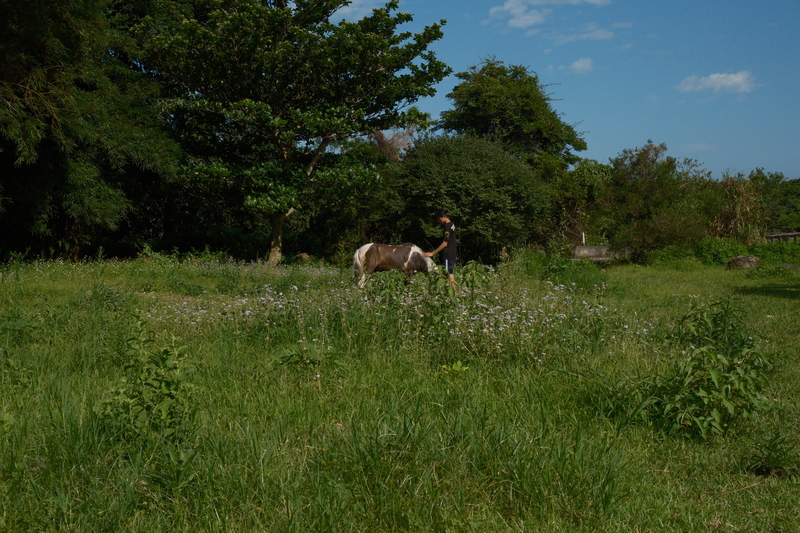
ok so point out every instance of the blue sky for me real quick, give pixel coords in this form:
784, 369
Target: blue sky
716, 81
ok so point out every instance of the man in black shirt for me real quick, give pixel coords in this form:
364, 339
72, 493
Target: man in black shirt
449, 246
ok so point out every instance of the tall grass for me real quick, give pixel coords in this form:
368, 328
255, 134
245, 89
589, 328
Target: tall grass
210, 395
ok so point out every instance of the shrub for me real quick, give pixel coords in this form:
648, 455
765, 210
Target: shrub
526, 262
668, 255
717, 382
704, 394
719, 250
719, 324
558, 270
155, 396
494, 198
773, 253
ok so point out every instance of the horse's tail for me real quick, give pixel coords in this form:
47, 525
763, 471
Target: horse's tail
358, 264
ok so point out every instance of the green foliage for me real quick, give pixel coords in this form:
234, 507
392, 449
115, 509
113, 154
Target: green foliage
716, 382
575, 192
741, 216
576, 274
156, 395
670, 256
525, 263
259, 91
77, 128
495, 199
535, 264
44, 47
457, 369
719, 324
719, 250
653, 201
509, 105
385, 286
474, 276
776, 253
772, 455
706, 393
781, 200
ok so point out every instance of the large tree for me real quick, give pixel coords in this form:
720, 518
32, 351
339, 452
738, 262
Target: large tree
509, 104
259, 89
76, 127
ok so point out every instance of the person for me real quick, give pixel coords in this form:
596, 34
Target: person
449, 246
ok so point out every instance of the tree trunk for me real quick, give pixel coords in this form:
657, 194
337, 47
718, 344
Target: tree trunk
276, 240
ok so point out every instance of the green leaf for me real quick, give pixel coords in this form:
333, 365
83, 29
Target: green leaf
715, 376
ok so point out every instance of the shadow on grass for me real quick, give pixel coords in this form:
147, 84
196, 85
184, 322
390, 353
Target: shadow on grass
778, 290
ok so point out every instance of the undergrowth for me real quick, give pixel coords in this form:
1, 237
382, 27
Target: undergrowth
718, 379
295, 402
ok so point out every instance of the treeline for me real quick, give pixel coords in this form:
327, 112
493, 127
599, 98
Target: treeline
267, 128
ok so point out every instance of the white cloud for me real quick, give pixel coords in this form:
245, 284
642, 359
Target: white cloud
582, 66
741, 82
519, 13
589, 32
526, 13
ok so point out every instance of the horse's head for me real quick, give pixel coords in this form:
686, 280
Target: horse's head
430, 266
419, 263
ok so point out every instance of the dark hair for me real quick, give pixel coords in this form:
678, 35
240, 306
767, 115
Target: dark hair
440, 213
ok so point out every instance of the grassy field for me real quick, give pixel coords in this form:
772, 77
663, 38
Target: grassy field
205, 395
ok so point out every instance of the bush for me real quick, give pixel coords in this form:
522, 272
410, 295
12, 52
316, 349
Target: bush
495, 199
155, 395
717, 382
668, 255
719, 250
774, 253
535, 264
705, 393
526, 263
653, 201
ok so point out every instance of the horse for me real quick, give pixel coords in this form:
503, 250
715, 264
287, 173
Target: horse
407, 257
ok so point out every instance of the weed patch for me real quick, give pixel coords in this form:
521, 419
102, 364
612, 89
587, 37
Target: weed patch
718, 380
155, 396
772, 455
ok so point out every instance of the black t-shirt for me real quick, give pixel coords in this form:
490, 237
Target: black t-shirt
449, 236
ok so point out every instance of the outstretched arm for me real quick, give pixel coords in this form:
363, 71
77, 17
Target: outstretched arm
437, 250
